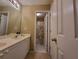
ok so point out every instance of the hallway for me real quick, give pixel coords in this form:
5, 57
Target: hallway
37, 55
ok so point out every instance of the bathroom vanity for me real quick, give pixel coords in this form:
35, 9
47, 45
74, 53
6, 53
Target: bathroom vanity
14, 47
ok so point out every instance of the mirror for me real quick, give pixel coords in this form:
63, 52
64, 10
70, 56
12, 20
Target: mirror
10, 17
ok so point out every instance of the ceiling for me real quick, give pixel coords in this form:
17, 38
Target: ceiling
35, 2
26, 2
7, 3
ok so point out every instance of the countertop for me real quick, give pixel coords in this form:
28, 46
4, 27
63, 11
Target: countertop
8, 40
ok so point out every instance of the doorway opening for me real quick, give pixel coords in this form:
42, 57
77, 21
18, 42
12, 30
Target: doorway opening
41, 38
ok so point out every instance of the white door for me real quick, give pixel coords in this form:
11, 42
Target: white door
62, 29
53, 44
67, 42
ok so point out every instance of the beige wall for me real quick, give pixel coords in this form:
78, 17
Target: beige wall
14, 18
28, 19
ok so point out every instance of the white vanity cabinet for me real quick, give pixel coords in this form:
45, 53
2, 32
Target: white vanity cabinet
17, 51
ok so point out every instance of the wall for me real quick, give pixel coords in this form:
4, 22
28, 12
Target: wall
28, 19
14, 18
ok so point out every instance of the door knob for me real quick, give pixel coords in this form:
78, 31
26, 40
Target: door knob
54, 39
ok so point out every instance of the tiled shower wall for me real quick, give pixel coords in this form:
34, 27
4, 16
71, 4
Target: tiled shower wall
40, 32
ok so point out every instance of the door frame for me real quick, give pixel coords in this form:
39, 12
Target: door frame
35, 28
7, 19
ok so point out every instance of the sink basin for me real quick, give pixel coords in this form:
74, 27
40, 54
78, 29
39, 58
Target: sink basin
2, 44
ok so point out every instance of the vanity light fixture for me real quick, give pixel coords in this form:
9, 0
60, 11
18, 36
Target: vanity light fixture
38, 14
15, 4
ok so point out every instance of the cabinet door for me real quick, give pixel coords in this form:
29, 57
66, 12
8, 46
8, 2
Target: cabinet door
12, 53
18, 51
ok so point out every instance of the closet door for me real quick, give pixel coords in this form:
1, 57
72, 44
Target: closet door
69, 42
53, 43
63, 30
60, 33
